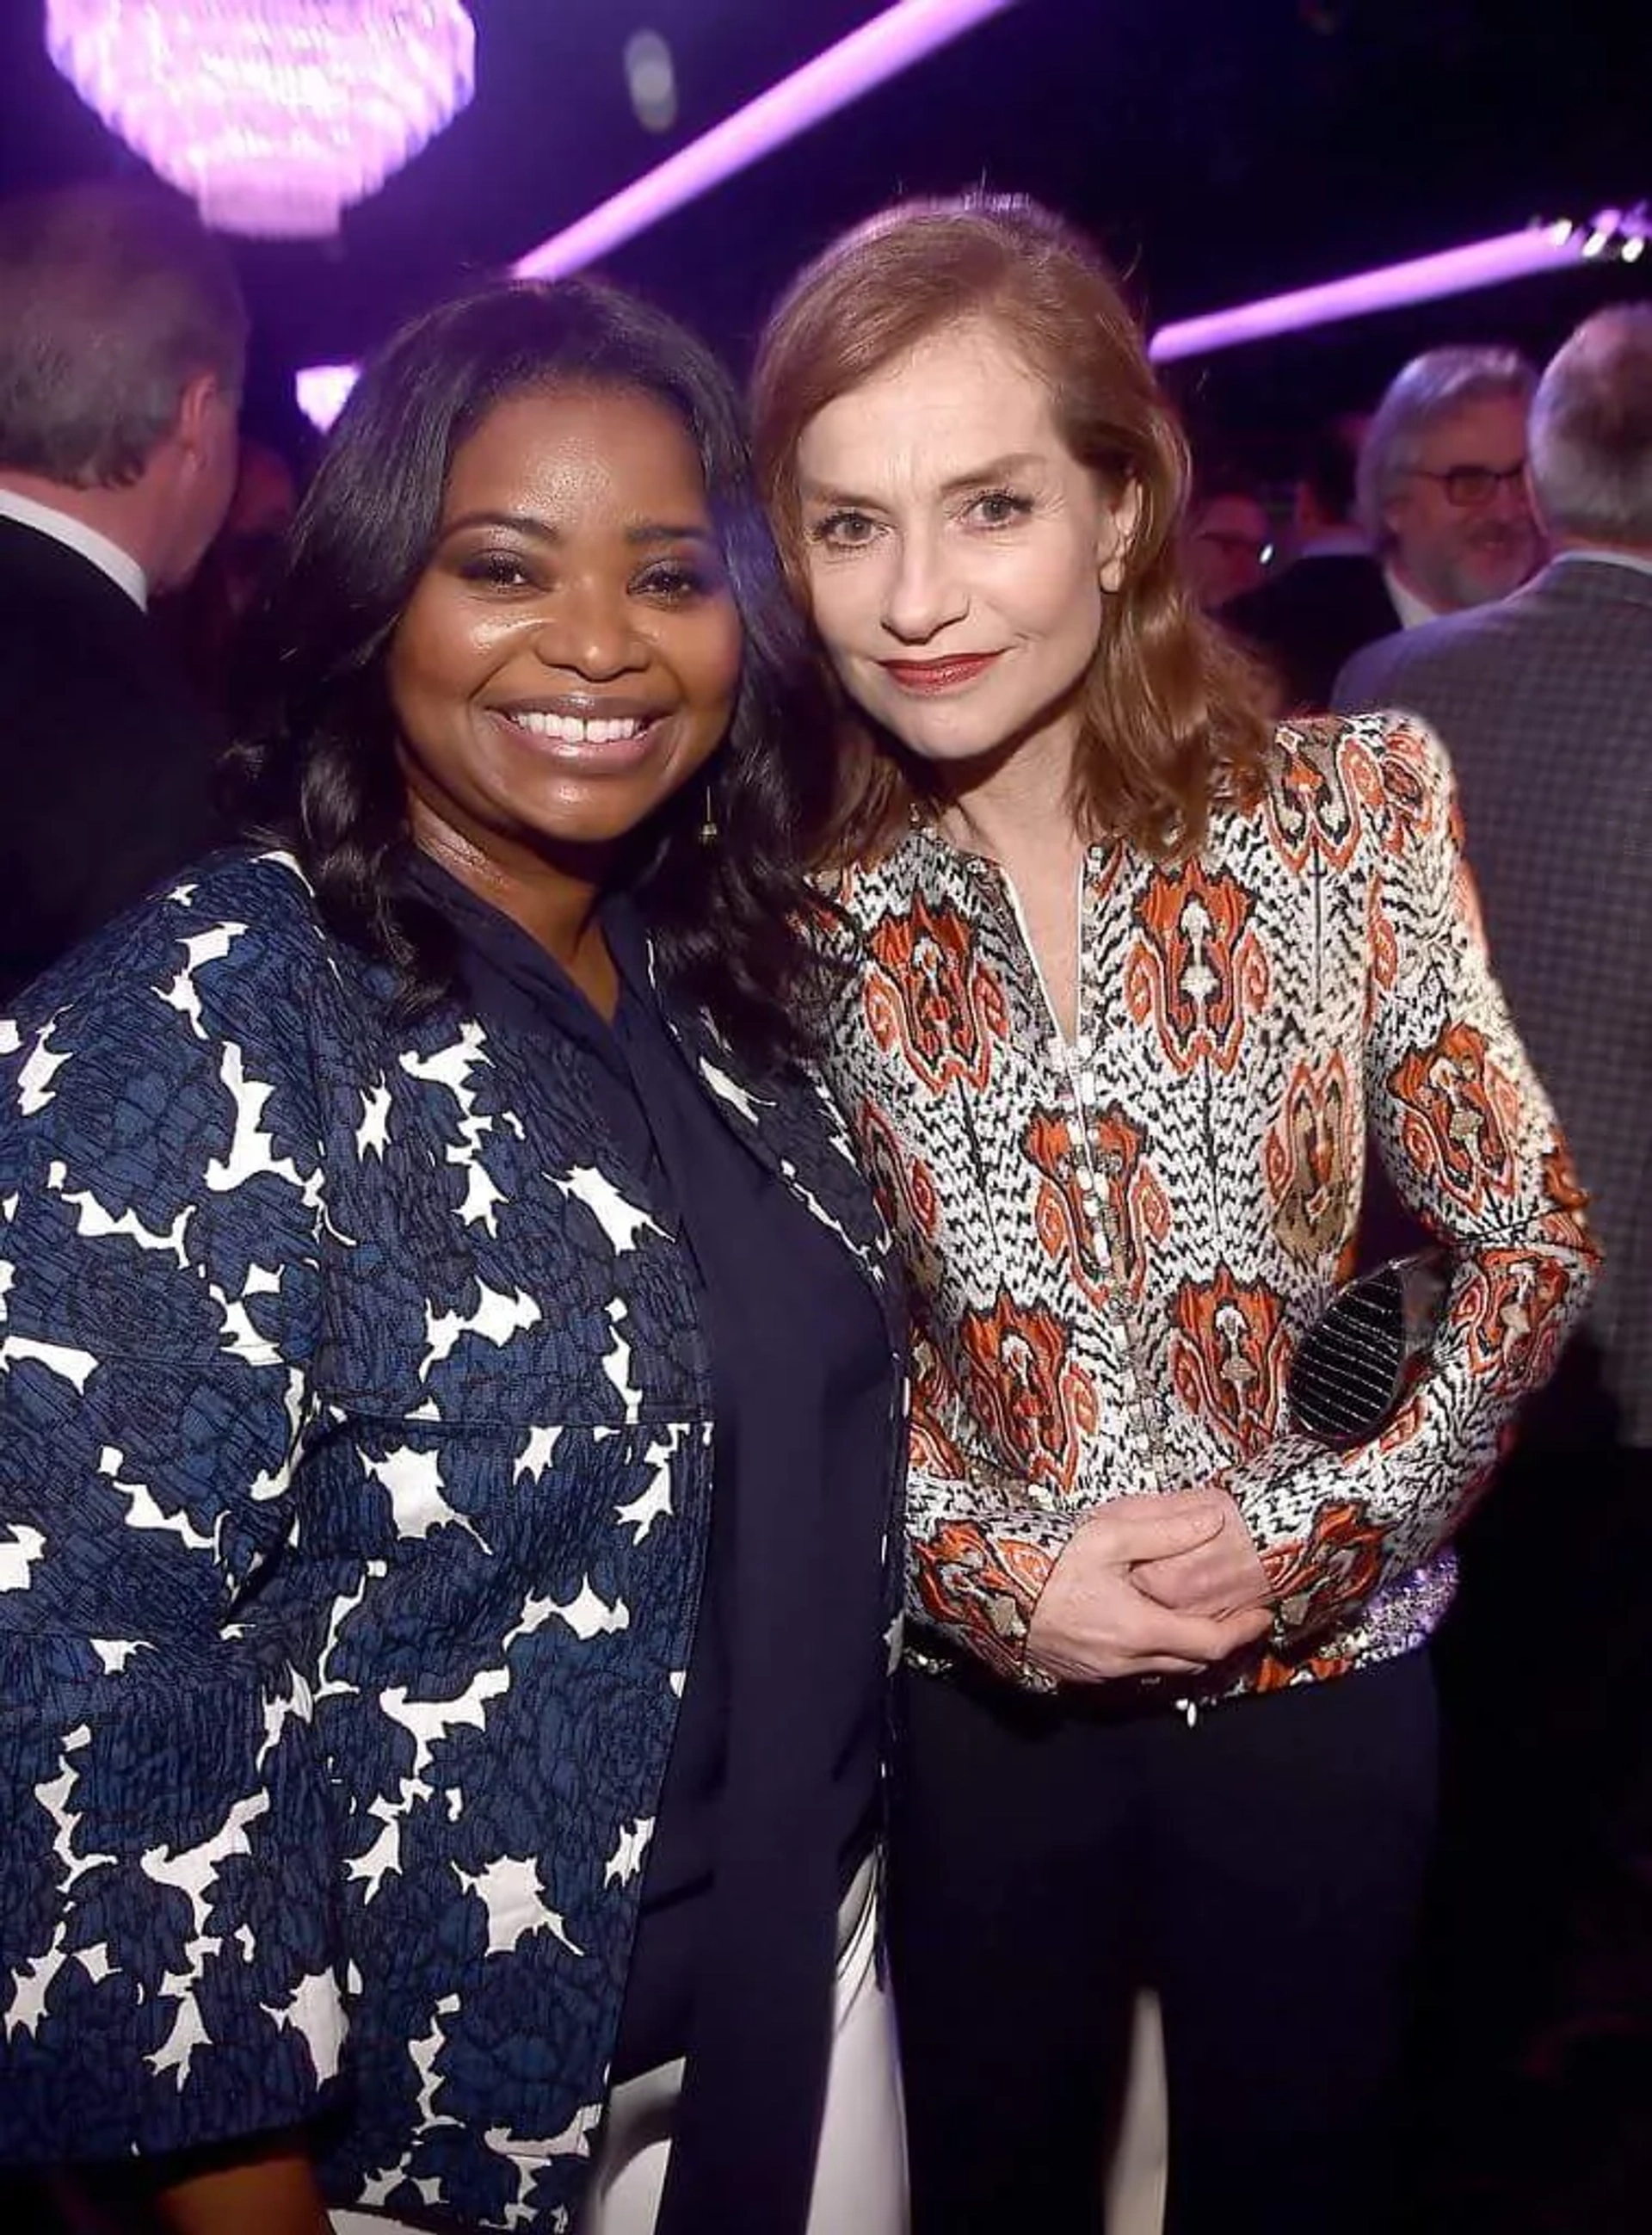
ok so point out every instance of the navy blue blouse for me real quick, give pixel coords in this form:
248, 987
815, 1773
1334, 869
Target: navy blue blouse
771, 1797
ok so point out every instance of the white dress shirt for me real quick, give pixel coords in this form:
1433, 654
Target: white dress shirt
1413, 610
121, 567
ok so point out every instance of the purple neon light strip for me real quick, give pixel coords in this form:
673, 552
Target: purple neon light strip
881, 50
1453, 272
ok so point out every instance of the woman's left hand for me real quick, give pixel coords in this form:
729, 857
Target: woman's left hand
269, 2189
1223, 1576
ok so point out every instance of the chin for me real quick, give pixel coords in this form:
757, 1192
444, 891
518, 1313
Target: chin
981, 738
583, 834
614, 822
948, 748
954, 731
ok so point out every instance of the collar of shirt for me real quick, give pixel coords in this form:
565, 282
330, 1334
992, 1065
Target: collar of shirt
1599, 556
1413, 610
506, 949
121, 567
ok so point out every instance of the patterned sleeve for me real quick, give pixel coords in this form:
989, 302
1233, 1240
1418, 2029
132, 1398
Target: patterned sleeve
1471, 1145
167, 1963
978, 1552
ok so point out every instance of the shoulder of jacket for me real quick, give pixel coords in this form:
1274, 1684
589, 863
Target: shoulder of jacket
237, 939
1344, 745
919, 866
864, 891
1375, 780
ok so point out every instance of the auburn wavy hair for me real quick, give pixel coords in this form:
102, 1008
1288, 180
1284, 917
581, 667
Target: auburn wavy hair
1174, 715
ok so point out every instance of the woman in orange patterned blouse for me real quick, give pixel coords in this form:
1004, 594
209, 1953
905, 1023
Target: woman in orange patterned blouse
1134, 975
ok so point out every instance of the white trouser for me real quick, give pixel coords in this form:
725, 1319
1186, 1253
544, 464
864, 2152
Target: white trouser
861, 2164
1138, 2176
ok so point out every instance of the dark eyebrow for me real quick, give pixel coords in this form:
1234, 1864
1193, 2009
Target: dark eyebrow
995, 469
641, 532
519, 523
665, 531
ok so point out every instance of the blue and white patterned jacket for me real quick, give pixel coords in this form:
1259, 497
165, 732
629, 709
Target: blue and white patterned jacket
355, 1460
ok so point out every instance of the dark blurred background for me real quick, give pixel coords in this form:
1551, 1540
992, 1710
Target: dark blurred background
1221, 148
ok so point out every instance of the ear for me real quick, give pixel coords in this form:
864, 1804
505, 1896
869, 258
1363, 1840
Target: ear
1121, 516
1392, 512
199, 409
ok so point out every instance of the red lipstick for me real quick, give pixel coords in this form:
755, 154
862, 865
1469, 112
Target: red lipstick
929, 678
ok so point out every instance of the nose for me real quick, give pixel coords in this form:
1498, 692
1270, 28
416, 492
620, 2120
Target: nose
592, 633
923, 594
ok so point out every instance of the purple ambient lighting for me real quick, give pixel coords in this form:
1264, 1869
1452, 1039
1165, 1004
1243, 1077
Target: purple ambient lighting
1453, 272
879, 50
273, 115
889, 43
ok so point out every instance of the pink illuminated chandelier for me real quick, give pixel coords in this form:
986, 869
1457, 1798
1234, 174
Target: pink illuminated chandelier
274, 115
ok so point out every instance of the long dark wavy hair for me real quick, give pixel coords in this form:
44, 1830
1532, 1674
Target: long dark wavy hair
316, 764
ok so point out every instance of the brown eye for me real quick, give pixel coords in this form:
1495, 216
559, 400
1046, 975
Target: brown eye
677, 581
496, 570
999, 509
843, 531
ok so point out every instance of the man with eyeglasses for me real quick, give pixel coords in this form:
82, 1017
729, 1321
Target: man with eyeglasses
1442, 484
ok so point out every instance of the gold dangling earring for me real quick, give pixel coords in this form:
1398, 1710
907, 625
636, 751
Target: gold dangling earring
708, 820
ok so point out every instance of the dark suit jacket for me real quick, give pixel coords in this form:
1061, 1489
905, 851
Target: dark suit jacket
1545, 704
1308, 620
106, 757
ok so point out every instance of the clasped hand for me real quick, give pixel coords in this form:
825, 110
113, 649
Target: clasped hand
1162, 1586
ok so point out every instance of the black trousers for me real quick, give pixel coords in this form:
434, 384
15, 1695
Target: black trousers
1263, 1869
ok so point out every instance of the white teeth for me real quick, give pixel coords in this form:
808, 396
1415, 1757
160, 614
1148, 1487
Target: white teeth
570, 730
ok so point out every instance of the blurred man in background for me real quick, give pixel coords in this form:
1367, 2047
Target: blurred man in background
122, 352
1307, 618
1441, 485
1546, 701
1230, 538
206, 621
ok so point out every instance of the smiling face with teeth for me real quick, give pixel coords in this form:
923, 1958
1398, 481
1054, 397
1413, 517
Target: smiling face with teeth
571, 654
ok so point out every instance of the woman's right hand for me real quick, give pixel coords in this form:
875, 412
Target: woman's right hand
1092, 1624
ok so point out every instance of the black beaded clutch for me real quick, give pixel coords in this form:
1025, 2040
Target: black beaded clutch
1356, 1364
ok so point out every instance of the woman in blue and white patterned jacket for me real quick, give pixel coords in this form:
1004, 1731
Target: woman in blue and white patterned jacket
451, 1381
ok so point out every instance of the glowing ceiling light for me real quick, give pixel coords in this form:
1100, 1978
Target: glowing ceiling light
323, 390
651, 80
1453, 272
273, 115
881, 50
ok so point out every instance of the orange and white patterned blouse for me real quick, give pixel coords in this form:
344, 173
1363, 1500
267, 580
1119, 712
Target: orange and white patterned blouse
1115, 1244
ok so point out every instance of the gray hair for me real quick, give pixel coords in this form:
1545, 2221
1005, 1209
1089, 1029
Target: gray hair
113, 299
1430, 388
1591, 430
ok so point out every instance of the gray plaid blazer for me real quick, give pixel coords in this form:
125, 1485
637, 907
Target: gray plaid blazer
1545, 704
